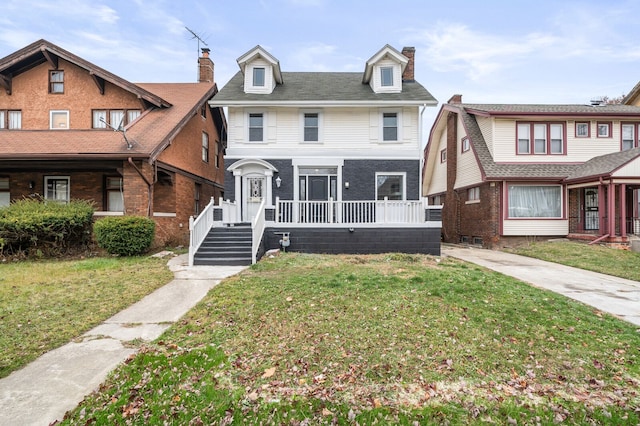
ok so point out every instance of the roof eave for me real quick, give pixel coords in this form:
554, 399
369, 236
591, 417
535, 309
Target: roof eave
217, 103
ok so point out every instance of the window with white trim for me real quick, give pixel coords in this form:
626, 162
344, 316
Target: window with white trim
466, 146
443, 155
390, 186
540, 138
58, 120
386, 76
311, 127
258, 76
390, 126
629, 136
5, 194
534, 201
256, 127
57, 188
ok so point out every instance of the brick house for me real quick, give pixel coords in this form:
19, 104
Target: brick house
507, 173
72, 130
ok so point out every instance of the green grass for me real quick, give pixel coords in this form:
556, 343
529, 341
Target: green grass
311, 339
597, 258
45, 304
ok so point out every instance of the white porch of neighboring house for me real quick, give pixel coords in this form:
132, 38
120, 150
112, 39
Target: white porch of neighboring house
363, 226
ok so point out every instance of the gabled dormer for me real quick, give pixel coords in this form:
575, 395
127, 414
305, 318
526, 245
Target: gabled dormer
261, 71
384, 71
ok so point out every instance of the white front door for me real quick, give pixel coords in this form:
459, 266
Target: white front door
253, 193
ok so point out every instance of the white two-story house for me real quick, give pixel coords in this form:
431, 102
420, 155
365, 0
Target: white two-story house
507, 173
332, 158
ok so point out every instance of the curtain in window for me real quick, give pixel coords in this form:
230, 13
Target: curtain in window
132, 114
535, 201
98, 117
15, 119
116, 119
1, 119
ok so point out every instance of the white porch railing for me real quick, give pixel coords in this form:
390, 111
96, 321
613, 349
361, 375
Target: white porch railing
258, 226
230, 211
199, 228
368, 212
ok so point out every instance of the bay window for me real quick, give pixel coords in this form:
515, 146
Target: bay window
535, 201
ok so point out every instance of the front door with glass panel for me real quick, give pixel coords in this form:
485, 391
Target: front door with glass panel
316, 187
591, 211
254, 192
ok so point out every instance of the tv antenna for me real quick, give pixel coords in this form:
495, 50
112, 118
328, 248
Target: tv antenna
197, 37
120, 128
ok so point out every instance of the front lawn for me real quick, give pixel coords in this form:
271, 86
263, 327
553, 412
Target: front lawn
597, 258
45, 304
409, 339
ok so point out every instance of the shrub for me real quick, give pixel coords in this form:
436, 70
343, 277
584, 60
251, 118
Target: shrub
45, 228
125, 235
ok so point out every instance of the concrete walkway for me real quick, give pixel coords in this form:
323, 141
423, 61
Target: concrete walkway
43, 391
616, 296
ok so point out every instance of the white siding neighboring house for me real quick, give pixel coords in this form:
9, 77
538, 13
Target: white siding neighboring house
526, 171
334, 156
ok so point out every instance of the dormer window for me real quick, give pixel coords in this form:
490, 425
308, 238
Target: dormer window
386, 76
258, 77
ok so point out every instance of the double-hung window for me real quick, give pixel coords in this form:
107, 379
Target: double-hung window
629, 136
311, 127
473, 194
540, 138
256, 127
114, 195
56, 81
390, 126
386, 76
258, 76
205, 147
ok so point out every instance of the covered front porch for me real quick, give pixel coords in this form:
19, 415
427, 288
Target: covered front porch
603, 198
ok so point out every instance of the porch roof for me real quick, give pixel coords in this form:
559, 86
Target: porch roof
604, 166
151, 133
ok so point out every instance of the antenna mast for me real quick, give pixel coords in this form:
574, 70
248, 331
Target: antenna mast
200, 40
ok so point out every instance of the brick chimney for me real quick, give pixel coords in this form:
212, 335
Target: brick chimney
455, 99
205, 67
410, 53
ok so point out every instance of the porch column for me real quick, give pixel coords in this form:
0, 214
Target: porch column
237, 174
623, 210
611, 207
269, 188
602, 210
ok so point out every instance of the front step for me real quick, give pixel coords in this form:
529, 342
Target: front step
228, 245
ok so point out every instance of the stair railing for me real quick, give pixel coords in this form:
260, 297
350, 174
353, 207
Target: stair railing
199, 228
258, 226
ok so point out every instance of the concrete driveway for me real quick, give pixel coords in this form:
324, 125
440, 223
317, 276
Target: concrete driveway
617, 296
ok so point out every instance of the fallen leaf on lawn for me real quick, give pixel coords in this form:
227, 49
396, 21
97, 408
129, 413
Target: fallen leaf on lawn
326, 412
269, 372
253, 396
597, 364
289, 299
377, 403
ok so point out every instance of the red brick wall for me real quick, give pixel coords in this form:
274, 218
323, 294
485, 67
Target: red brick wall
30, 93
450, 211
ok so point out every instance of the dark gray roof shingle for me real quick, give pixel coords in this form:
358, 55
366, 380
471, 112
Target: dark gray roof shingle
321, 87
513, 109
604, 164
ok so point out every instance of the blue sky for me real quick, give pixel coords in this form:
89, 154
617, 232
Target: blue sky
490, 51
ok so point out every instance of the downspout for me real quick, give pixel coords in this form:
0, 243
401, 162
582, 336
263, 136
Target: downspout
420, 131
149, 184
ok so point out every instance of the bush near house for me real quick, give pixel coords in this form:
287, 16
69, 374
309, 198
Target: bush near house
125, 235
36, 227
